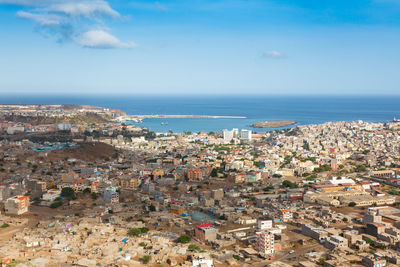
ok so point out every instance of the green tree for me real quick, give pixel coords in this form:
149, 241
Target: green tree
184, 239
352, 204
134, 232
361, 168
214, 173
152, 208
68, 192
144, 230
86, 190
289, 184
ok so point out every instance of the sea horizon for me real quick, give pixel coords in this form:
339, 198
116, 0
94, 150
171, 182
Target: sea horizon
304, 109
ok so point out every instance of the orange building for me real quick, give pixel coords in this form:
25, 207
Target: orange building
17, 205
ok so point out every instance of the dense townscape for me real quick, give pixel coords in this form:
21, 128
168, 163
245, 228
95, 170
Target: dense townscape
80, 188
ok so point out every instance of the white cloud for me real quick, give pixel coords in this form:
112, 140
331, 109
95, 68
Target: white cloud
160, 6
72, 20
84, 8
101, 39
42, 19
29, 2
273, 54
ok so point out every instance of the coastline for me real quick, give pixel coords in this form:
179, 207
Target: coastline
304, 110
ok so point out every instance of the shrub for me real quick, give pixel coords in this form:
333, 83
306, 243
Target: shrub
193, 247
146, 259
5, 225
368, 240
270, 187
352, 204
236, 257
56, 204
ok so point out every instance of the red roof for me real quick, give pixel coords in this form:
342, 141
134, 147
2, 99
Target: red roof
377, 224
204, 225
378, 191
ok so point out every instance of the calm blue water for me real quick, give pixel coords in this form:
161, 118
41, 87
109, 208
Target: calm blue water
302, 109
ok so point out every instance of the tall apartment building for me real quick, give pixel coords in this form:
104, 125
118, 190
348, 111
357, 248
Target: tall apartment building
17, 205
245, 135
265, 243
228, 134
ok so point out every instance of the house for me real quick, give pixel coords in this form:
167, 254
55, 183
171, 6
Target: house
111, 195
51, 195
17, 205
336, 241
206, 232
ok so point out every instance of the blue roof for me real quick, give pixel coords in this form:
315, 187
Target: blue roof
125, 240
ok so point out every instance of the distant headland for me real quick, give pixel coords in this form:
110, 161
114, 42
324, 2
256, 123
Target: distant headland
272, 124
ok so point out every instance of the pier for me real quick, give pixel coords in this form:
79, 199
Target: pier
139, 118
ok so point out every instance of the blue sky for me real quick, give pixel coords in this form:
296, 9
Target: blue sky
200, 47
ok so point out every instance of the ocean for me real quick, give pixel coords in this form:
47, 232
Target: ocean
302, 109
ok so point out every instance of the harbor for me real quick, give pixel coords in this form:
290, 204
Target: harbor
140, 118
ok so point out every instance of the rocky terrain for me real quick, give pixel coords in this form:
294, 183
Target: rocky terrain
272, 124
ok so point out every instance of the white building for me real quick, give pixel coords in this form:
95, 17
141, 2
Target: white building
228, 134
265, 243
201, 261
245, 135
51, 195
264, 224
343, 180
